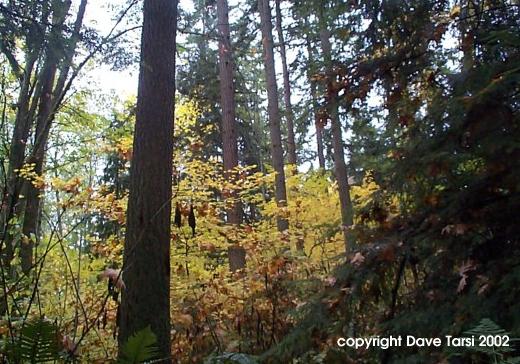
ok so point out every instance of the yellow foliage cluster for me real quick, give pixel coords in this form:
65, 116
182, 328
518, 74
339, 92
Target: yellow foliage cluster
211, 306
28, 173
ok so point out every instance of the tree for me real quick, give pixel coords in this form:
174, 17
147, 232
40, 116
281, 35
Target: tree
273, 109
229, 133
340, 168
28, 96
289, 115
314, 100
50, 99
146, 265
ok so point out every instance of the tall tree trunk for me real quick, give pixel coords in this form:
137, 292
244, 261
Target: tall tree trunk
317, 125
50, 99
27, 100
273, 110
340, 168
16, 158
289, 115
314, 99
32, 207
146, 265
70, 49
466, 38
236, 254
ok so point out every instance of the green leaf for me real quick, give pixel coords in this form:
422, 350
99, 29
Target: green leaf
37, 343
140, 347
487, 327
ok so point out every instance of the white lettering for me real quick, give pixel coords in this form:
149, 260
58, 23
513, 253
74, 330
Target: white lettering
422, 341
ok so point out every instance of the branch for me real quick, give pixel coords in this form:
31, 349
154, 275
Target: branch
17, 70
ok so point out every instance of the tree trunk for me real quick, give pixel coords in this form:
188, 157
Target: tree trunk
14, 182
28, 98
273, 110
314, 98
146, 265
319, 130
50, 99
236, 254
340, 168
32, 207
289, 115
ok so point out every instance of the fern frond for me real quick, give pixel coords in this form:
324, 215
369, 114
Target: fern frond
37, 343
140, 347
487, 327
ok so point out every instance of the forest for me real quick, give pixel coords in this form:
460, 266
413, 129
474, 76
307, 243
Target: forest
260, 181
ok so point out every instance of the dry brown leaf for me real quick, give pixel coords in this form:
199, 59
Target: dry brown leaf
464, 269
184, 320
455, 229
330, 281
357, 259
68, 344
462, 283
115, 276
484, 284
387, 254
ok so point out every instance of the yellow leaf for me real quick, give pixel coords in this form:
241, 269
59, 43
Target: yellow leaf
455, 11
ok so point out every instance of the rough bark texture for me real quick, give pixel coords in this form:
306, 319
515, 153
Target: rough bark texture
146, 266
340, 168
236, 254
273, 109
289, 115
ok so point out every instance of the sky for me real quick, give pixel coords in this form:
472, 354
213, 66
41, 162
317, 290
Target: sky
100, 15
122, 83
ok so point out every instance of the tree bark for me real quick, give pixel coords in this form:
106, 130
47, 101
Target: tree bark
27, 102
273, 110
236, 254
32, 207
319, 130
50, 99
289, 115
340, 168
314, 98
146, 265
27, 97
